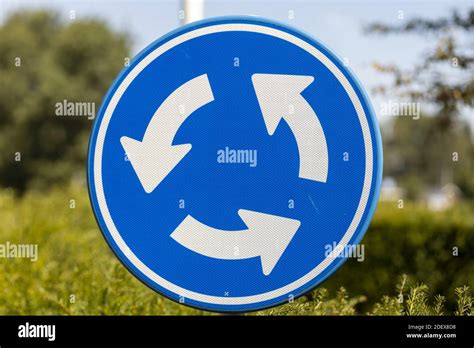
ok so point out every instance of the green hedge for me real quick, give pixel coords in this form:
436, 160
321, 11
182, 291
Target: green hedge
76, 272
416, 241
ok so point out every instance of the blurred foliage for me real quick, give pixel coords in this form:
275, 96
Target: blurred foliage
74, 61
444, 75
419, 153
416, 240
412, 301
75, 260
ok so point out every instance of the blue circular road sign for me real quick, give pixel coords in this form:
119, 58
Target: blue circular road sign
229, 158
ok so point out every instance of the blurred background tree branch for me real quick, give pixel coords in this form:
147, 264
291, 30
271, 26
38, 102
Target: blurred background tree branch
436, 151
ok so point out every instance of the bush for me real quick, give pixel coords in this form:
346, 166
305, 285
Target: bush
417, 302
416, 241
76, 273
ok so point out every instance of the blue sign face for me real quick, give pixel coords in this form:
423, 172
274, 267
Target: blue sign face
233, 164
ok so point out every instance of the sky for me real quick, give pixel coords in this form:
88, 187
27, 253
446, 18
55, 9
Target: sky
338, 24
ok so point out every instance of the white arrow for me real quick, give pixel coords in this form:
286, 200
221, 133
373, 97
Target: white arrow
279, 96
154, 157
267, 236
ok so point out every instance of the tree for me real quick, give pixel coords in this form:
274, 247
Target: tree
44, 61
433, 150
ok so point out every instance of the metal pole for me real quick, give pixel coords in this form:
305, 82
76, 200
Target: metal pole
193, 10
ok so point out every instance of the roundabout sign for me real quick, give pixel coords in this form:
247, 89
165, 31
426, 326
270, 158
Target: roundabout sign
226, 157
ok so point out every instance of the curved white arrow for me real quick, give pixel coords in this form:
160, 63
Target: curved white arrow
267, 237
154, 157
279, 96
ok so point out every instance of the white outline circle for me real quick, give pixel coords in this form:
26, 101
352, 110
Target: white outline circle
241, 300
